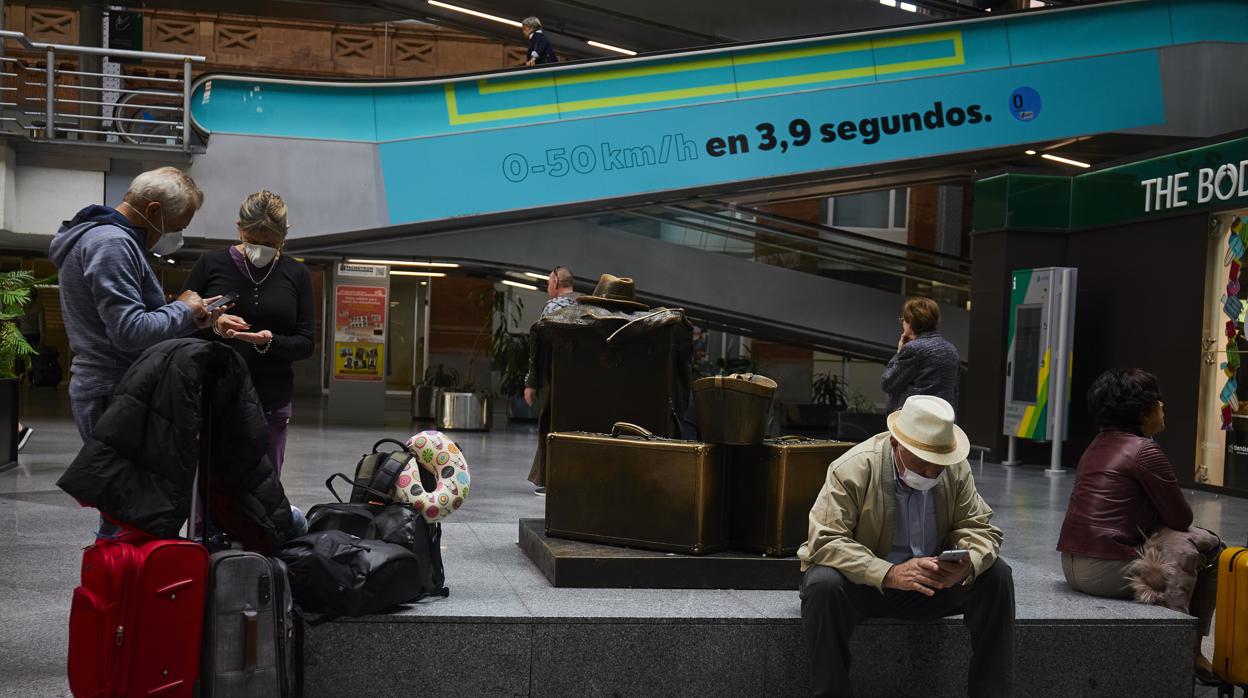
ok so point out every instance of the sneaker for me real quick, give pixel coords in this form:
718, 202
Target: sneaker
23, 436
540, 492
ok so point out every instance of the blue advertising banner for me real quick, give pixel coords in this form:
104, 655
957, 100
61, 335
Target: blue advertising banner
573, 160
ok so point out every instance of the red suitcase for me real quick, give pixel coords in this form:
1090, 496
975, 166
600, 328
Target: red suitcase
135, 626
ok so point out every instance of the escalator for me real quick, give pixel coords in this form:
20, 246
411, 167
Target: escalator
623, 166
740, 270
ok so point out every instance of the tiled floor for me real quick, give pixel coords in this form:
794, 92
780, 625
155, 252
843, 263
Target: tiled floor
42, 532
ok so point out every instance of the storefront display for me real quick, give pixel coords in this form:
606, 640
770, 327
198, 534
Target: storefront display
1222, 450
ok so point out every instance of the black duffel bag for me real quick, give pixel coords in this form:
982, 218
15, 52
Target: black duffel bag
391, 522
338, 574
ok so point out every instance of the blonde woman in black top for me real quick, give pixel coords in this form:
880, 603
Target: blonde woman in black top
274, 299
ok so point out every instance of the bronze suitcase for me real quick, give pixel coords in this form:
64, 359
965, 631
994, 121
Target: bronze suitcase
642, 375
773, 488
635, 489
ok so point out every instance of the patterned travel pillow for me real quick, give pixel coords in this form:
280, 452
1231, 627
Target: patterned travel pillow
439, 455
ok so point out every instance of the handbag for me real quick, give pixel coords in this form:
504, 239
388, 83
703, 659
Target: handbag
338, 574
387, 521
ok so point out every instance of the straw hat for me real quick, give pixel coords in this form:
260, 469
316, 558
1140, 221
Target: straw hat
924, 426
614, 292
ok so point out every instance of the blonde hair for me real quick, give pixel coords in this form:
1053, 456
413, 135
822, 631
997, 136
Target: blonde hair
168, 186
264, 209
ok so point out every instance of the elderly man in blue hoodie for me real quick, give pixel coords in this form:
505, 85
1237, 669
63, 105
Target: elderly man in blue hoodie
112, 302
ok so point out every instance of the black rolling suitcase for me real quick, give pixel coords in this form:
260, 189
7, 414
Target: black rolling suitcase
252, 636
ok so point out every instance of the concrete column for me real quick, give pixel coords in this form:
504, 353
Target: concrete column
949, 219
90, 33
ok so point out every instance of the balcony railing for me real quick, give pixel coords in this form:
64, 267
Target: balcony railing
67, 103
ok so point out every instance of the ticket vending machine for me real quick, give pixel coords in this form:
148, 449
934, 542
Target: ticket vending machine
1038, 364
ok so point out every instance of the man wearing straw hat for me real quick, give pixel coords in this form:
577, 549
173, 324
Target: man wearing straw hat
889, 506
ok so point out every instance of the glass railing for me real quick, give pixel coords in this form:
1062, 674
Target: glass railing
833, 253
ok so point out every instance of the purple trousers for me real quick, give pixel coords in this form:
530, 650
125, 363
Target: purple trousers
278, 422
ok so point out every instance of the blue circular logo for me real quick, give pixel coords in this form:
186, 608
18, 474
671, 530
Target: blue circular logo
1025, 104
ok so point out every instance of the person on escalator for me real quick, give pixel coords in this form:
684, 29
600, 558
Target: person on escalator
540, 50
925, 363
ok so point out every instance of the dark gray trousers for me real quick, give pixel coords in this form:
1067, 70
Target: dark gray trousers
832, 606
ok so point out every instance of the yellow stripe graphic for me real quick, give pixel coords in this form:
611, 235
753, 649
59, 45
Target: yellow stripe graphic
735, 88
1031, 417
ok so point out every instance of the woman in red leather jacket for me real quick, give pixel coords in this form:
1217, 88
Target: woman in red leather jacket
1125, 491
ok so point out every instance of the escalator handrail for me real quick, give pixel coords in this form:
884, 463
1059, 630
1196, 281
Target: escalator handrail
818, 255
960, 275
964, 263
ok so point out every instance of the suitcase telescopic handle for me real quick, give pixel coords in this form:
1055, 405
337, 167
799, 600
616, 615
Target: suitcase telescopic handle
622, 428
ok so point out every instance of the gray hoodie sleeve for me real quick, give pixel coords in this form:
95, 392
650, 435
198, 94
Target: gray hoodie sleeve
114, 274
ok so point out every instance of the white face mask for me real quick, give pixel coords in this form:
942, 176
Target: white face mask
259, 255
168, 242
916, 481
912, 479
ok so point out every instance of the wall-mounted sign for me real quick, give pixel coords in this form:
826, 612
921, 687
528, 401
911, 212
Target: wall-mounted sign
368, 271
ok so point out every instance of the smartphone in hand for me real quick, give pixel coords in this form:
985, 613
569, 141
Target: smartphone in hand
954, 556
221, 302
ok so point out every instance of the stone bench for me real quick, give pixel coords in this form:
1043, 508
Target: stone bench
505, 631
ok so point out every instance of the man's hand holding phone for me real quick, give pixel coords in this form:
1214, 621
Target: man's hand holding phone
955, 566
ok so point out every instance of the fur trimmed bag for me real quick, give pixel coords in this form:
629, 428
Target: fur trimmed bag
1165, 573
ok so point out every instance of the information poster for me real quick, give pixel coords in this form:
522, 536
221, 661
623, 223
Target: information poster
359, 333
359, 361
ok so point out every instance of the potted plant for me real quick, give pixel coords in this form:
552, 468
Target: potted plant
511, 355
15, 287
464, 406
425, 396
860, 420
828, 397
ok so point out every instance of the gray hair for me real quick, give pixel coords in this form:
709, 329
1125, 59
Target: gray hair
168, 186
532, 23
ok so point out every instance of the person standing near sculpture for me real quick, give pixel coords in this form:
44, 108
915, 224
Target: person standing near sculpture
560, 294
925, 363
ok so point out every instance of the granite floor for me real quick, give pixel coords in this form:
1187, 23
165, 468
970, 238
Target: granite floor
42, 532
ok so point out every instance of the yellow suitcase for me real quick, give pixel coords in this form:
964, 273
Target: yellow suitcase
1230, 632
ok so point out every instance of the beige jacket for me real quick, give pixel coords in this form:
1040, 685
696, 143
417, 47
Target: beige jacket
851, 523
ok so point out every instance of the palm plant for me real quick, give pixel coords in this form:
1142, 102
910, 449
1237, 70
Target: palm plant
15, 288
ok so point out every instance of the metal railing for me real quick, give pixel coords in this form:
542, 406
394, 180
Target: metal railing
778, 241
62, 104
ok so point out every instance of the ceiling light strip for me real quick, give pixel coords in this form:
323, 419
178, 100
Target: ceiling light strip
609, 47
404, 263
1064, 161
436, 274
517, 284
474, 13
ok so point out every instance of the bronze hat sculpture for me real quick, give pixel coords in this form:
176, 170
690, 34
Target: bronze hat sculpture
614, 292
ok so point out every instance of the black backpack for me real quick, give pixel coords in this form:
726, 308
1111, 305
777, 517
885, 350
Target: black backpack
338, 574
376, 472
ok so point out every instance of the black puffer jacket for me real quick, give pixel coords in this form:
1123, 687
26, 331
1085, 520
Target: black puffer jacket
139, 465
